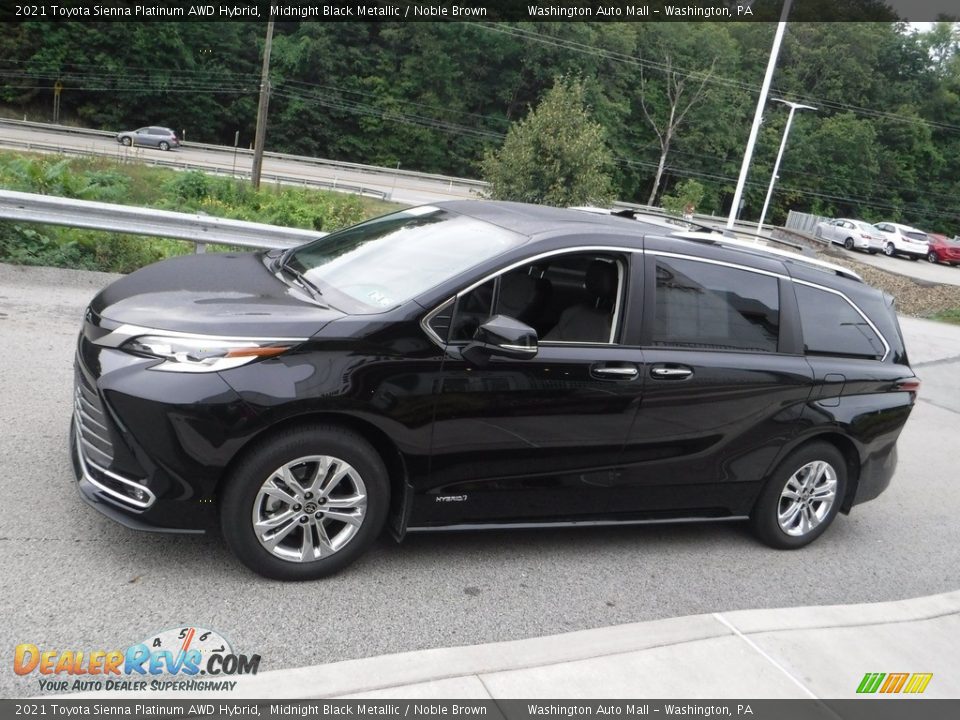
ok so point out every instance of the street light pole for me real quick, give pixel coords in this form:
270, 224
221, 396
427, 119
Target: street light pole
758, 114
776, 166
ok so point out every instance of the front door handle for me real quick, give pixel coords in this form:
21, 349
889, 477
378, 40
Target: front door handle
671, 372
624, 371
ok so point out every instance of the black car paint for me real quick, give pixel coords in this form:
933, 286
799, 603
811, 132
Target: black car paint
515, 441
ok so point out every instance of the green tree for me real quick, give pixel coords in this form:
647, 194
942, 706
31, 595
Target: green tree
687, 194
554, 156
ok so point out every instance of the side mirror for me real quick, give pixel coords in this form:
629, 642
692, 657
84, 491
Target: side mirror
501, 336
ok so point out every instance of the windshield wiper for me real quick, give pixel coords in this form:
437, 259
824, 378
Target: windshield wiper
301, 279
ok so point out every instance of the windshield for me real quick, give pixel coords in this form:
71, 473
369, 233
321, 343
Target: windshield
389, 260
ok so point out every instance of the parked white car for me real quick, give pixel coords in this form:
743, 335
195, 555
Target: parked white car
851, 234
903, 240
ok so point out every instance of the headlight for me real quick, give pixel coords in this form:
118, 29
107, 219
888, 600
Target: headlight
203, 354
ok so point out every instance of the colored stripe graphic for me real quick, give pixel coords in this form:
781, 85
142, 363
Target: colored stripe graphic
918, 683
870, 682
894, 683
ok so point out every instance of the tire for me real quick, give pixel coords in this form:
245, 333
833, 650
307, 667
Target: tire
932, 257
164, 145
765, 520
126, 141
889, 250
258, 488
848, 243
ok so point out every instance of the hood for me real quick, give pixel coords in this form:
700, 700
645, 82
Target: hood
230, 294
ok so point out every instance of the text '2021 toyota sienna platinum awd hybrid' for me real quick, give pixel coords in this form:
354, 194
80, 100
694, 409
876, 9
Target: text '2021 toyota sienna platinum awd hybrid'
480, 364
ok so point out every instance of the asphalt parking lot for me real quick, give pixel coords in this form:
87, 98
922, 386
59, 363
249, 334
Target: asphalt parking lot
917, 269
71, 579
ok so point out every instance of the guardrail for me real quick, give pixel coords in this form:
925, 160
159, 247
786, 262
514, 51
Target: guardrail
197, 228
449, 180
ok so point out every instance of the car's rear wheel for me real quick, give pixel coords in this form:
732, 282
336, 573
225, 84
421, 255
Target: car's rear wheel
848, 243
931, 257
164, 145
306, 503
889, 250
127, 141
801, 498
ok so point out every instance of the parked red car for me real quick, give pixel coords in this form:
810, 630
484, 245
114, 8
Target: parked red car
943, 249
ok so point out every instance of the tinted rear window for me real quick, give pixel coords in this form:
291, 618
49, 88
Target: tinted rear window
831, 326
917, 236
701, 305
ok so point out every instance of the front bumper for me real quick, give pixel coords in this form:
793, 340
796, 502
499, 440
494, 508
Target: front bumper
149, 448
94, 494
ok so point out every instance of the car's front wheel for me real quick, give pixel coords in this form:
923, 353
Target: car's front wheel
127, 141
931, 257
802, 497
889, 250
306, 503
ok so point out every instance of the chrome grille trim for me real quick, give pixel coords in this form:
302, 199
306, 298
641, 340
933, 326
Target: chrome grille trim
95, 449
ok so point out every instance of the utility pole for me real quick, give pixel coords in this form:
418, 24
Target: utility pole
261, 135
758, 115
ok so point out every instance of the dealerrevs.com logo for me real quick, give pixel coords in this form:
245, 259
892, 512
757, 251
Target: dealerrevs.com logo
185, 658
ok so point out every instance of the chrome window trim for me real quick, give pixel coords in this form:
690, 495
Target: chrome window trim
655, 253
526, 261
711, 261
425, 322
851, 303
116, 338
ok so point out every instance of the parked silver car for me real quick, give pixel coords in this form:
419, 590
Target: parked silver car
153, 136
852, 234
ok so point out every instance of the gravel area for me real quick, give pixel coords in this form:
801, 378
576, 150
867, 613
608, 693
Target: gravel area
918, 298
914, 297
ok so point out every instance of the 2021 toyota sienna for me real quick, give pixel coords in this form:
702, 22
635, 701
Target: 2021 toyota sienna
485, 364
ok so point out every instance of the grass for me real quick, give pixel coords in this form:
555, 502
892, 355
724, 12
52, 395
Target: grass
124, 183
950, 315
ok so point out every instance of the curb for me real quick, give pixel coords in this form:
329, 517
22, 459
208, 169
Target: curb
464, 664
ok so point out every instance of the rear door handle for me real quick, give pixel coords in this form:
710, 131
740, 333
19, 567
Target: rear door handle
672, 372
626, 371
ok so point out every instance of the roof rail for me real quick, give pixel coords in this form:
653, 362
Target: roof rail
724, 241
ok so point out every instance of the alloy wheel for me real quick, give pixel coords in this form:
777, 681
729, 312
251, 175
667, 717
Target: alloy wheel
309, 508
807, 498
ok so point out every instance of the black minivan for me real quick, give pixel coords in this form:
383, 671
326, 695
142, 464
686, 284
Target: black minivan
482, 364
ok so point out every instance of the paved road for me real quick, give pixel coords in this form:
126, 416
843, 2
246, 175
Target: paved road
69, 578
400, 188
918, 269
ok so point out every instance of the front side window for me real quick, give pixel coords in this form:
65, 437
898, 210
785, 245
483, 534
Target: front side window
389, 260
574, 298
832, 326
715, 307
